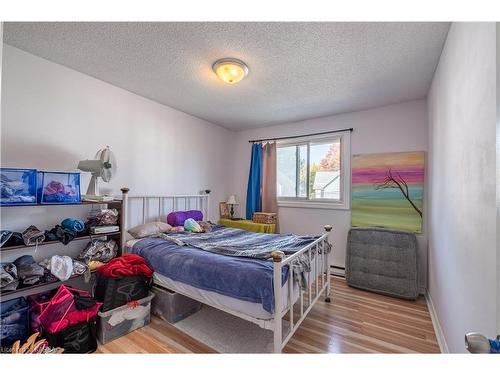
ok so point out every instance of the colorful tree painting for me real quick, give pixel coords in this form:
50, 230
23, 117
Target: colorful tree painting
387, 190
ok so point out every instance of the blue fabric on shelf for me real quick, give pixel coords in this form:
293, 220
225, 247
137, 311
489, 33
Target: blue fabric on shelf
254, 180
76, 225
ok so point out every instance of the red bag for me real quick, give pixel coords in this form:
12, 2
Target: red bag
62, 311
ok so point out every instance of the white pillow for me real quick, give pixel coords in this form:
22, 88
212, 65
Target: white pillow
149, 229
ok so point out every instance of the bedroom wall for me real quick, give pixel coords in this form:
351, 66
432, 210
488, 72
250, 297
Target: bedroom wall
498, 174
398, 127
462, 220
54, 116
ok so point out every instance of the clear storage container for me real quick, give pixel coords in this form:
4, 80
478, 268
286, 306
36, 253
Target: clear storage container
122, 320
172, 306
17, 186
58, 187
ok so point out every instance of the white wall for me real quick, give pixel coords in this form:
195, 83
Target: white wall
399, 127
498, 175
53, 117
462, 218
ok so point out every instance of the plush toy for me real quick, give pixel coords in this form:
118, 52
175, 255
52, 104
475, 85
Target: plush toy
190, 225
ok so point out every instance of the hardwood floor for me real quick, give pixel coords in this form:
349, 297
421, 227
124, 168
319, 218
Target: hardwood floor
354, 322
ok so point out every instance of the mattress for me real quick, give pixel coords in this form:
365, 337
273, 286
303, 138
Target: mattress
214, 299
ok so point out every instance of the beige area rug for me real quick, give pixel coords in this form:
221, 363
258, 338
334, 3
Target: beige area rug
226, 333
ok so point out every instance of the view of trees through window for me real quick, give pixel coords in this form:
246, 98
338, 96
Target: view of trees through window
323, 159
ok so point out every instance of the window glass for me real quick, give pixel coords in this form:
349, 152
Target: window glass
324, 170
310, 170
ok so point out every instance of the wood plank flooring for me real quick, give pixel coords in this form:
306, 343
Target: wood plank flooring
354, 322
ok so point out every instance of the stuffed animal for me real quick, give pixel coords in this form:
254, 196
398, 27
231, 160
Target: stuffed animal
190, 225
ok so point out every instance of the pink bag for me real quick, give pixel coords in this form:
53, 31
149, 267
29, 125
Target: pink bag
62, 311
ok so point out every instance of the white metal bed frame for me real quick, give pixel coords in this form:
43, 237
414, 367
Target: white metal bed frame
294, 315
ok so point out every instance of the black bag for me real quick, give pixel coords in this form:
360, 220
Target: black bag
78, 338
117, 291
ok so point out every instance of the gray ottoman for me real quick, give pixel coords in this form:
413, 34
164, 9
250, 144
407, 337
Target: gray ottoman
382, 261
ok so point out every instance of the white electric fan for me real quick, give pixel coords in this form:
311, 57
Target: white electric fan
104, 166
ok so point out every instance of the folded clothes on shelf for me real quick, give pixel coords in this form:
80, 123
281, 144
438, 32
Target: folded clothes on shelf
29, 272
75, 225
105, 216
5, 236
33, 236
99, 250
63, 267
58, 233
8, 277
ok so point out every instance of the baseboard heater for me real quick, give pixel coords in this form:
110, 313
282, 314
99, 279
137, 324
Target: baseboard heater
337, 271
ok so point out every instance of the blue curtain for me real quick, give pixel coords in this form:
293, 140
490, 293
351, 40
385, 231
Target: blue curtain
254, 178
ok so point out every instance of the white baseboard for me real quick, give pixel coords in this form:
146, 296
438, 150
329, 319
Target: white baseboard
443, 346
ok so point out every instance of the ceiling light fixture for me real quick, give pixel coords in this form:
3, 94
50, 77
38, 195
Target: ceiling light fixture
230, 70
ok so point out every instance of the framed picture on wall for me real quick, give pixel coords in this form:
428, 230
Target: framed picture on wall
223, 210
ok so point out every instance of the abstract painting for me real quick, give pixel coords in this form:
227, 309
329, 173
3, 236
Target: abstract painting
388, 190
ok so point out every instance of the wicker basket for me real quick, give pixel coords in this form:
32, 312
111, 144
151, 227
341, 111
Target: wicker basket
264, 217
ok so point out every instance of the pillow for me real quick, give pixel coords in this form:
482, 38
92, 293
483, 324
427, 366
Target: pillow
149, 229
177, 218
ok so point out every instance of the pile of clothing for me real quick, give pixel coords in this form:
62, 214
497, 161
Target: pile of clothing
32, 236
56, 191
126, 266
23, 271
98, 252
67, 231
26, 271
105, 216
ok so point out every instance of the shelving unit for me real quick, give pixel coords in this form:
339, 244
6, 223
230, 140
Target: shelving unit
119, 237
78, 238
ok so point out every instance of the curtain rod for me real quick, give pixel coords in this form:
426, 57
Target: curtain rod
300, 136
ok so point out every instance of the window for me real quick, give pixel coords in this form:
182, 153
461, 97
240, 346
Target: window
314, 172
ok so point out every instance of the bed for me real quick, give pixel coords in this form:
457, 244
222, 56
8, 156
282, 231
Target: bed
198, 267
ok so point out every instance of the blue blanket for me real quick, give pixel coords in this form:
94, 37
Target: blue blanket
229, 261
246, 279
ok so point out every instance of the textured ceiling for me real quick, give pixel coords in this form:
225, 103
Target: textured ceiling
297, 70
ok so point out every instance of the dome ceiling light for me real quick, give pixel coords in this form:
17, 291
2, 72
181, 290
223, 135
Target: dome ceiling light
230, 70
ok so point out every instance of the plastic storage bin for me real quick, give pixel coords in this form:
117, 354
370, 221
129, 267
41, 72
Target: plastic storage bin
58, 187
14, 323
122, 320
17, 186
172, 306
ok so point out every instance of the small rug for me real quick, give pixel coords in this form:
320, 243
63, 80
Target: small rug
226, 333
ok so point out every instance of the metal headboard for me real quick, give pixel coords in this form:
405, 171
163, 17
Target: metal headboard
141, 209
